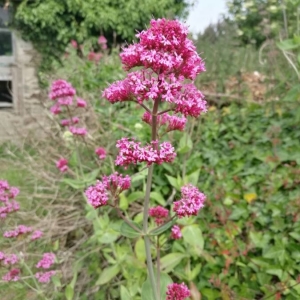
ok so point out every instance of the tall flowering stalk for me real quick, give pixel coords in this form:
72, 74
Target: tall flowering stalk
163, 85
14, 265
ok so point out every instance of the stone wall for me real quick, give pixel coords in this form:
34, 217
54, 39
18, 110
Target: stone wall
26, 115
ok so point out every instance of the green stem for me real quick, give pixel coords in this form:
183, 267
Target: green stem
146, 207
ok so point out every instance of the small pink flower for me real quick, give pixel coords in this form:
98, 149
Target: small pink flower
65, 101
177, 291
116, 183
56, 109
102, 40
62, 164
131, 152
93, 56
101, 152
74, 44
47, 261
159, 213
36, 235
21, 229
78, 131
176, 233
10, 259
61, 89
44, 277
12, 275
67, 122
191, 202
81, 102
97, 195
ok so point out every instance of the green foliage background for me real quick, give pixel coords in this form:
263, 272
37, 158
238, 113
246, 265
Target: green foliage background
52, 24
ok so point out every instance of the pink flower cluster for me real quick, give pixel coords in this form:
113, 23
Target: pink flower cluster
173, 122
101, 152
12, 275
177, 291
131, 152
62, 165
8, 259
44, 277
176, 233
102, 41
167, 58
7, 203
97, 195
94, 56
116, 183
63, 93
191, 202
164, 48
47, 261
159, 213
21, 229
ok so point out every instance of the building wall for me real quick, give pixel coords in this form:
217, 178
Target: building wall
26, 114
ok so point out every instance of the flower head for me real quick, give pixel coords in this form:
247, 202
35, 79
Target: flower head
176, 233
78, 131
101, 152
164, 48
116, 183
21, 229
62, 164
97, 195
131, 152
177, 291
61, 89
159, 213
67, 122
47, 261
191, 202
12, 275
36, 235
81, 102
44, 277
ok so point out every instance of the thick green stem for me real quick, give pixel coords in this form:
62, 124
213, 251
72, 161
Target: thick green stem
146, 208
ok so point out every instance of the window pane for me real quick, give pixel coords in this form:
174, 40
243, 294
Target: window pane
5, 92
6, 48
4, 17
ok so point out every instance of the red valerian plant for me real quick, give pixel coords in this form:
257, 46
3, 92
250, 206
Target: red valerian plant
13, 263
164, 87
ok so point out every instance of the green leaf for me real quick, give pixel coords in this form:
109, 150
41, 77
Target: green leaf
173, 181
185, 144
287, 44
128, 231
74, 183
147, 293
277, 272
194, 177
135, 196
69, 292
161, 229
139, 250
109, 236
171, 260
123, 202
124, 293
192, 235
274, 252
158, 197
108, 274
